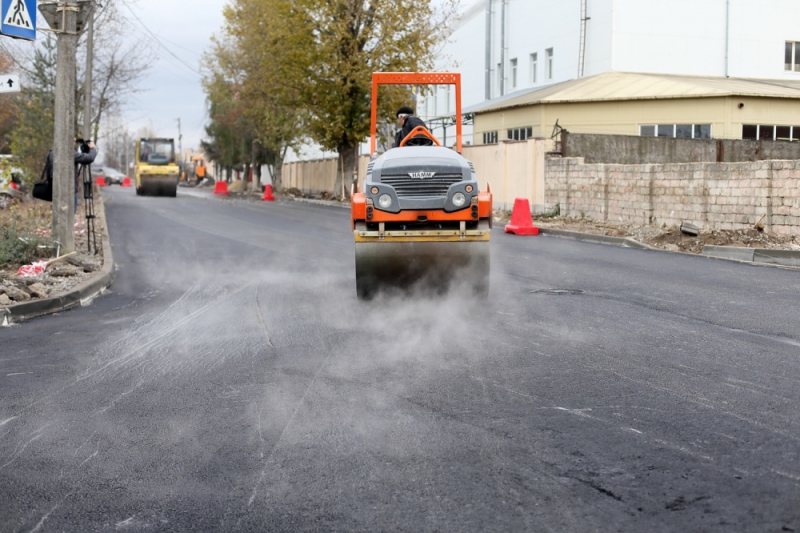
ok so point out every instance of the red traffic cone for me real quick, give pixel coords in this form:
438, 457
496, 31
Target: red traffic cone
101, 181
126, 182
268, 194
221, 187
521, 222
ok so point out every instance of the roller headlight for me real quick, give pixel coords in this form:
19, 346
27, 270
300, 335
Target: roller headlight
459, 199
385, 201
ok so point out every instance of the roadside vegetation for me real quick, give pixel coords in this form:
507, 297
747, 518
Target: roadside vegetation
26, 122
286, 72
22, 240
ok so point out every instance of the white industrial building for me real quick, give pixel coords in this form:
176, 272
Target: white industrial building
507, 48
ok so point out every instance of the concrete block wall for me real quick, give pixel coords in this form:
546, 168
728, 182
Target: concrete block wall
633, 150
710, 195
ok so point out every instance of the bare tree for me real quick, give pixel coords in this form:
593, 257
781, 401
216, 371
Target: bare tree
118, 62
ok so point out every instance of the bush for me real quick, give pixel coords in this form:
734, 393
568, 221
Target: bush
19, 237
16, 249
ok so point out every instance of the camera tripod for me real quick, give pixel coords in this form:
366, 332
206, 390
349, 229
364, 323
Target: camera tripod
88, 205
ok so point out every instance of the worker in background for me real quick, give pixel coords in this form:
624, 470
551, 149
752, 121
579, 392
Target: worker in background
200, 171
408, 121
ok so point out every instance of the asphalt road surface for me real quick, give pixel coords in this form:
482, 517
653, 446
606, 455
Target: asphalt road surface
232, 381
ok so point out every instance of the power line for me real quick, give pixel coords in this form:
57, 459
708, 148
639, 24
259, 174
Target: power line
158, 40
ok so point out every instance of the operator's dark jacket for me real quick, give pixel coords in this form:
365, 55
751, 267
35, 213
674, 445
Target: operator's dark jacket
411, 123
80, 159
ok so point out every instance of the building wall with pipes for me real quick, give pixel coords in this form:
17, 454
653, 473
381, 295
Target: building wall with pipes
737, 38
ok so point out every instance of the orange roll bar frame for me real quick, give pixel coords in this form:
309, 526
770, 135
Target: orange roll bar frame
413, 78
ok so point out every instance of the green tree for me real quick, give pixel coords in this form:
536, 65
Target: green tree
33, 136
227, 143
248, 54
335, 46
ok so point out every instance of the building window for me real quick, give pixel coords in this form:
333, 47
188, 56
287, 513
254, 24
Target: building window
680, 131
792, 57
683, 131
490, 137
665, 130
756, 132
647, 131
534, 67
702, 131
514, 73
520, 134
549, 54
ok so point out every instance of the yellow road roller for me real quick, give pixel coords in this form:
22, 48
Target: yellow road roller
156, 170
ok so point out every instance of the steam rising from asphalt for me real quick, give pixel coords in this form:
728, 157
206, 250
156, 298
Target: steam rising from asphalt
275, 356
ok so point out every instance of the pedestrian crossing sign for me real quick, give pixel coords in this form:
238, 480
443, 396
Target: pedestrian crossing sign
18, 19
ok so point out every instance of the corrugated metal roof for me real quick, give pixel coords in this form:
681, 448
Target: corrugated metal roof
638, 86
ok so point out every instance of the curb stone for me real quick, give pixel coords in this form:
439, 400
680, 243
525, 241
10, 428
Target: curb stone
755, 256
80, 295
787, 258
602, 239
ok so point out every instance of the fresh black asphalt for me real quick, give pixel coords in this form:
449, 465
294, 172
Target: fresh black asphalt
232, 381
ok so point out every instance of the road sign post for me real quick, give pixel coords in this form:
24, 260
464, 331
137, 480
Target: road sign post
18, 19
9, 83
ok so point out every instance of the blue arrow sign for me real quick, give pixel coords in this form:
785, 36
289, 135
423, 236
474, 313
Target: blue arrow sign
18, 19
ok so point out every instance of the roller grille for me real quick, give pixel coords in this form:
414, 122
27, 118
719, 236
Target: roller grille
408, 187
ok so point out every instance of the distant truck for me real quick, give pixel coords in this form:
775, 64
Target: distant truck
156, 169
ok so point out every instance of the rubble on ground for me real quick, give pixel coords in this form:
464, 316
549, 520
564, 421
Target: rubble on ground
665, 238
57, 279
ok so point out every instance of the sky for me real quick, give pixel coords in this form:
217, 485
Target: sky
171, 88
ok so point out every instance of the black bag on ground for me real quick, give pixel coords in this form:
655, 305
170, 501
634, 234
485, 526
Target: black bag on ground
43, 189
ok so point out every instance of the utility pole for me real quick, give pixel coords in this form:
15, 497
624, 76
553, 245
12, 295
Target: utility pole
582, 43
67, 20
87, 90
180, 146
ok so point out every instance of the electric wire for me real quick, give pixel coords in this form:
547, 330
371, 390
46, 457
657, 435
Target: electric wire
159, 42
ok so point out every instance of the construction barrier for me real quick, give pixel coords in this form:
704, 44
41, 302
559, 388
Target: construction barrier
101, 181
126, 182
221, 187
521, 221
268, 194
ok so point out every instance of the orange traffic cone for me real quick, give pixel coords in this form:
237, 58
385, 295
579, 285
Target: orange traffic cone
221, 187
126, 182
521, 222
101, 181
268, 194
